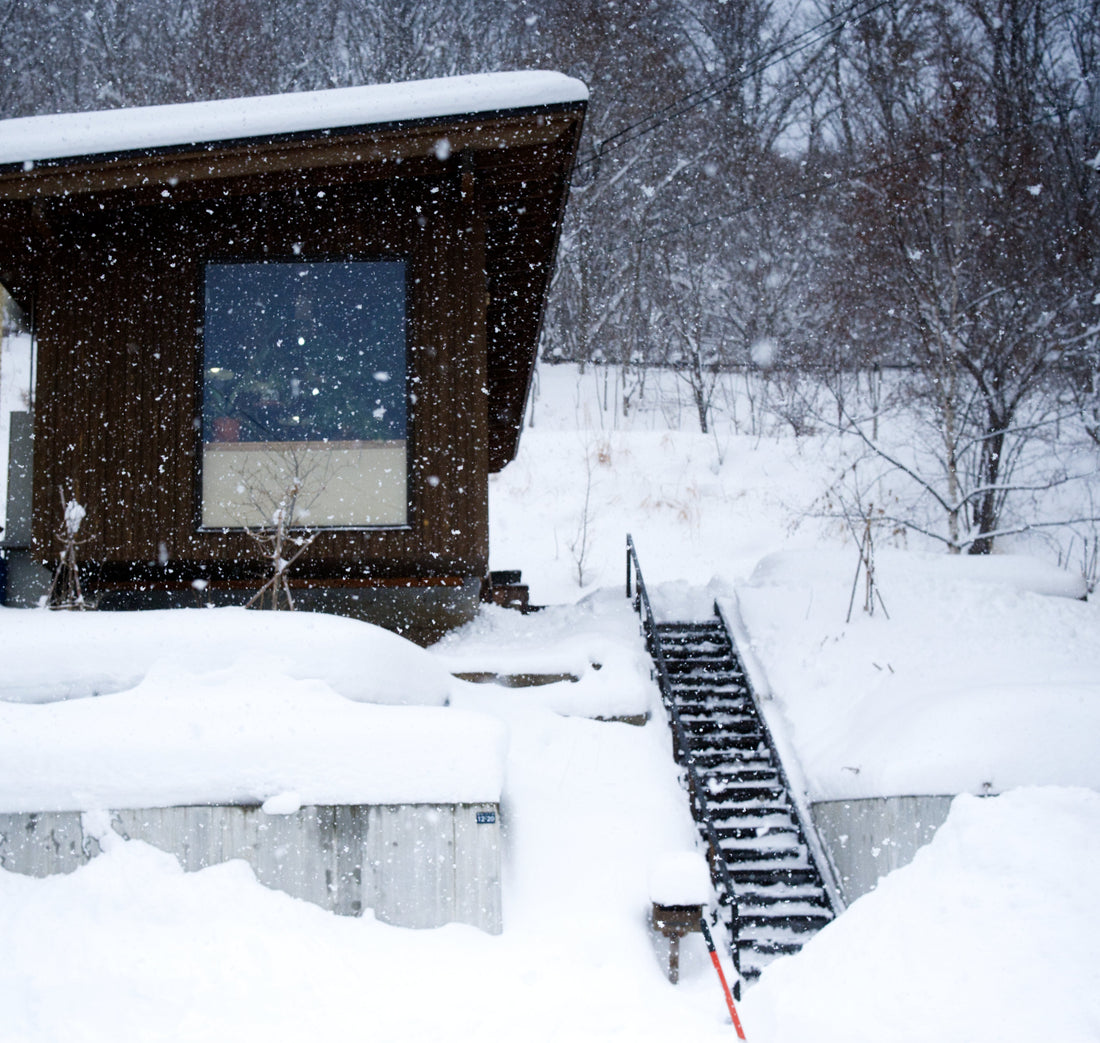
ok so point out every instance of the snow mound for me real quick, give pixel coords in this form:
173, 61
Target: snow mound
235, 737
1019, 572
597, 642
992, 933
975, 681
71, 655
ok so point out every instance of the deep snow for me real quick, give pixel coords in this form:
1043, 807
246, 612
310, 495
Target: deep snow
991, 934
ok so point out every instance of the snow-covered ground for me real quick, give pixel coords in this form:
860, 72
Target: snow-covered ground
981, 679
984, 675
989, 934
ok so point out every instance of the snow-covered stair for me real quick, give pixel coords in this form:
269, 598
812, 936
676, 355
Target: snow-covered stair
779, 897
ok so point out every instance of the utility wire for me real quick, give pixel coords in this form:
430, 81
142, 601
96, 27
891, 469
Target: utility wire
693, 99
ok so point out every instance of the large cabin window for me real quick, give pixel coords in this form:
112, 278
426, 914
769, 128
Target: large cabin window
304, 394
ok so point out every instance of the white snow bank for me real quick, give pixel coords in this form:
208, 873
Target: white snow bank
130, 948
32, 138
975, 683
990, 935
1019, 572
241, 737
597, 641
65, 655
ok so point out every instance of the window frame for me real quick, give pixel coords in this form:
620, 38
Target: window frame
201, 444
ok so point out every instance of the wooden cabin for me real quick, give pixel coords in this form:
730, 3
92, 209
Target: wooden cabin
325, 304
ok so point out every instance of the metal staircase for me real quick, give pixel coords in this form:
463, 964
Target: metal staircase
763, 868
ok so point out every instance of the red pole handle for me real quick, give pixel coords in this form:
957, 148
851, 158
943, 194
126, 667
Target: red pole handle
722, 978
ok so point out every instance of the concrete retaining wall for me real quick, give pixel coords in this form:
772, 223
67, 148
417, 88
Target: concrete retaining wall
415, 865
867, 838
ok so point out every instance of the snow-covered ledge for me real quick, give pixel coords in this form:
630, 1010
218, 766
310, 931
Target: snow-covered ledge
729, 610
221, 734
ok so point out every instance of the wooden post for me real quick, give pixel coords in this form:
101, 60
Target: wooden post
674, 921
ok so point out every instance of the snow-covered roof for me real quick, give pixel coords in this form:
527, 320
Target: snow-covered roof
34, 138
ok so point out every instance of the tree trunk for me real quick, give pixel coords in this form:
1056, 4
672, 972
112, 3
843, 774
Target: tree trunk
985, 516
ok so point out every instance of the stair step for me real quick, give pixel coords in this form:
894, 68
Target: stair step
750, 810
761, 819
741, 774
691, 639
716, 716
690, 691
682, 654
734, 835
705, 648
706, 687
715, 755
738, 760
690, 660
741, 859
743, 875
730, 795
728, 800
750, 831
771, 948
776, 890
771, 934
700, 675
798, 923
797, 899
710, 701
727, 705
701, 724
748, 791
735, 771
740, 724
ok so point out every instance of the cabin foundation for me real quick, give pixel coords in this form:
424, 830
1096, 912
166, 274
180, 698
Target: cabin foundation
413, 865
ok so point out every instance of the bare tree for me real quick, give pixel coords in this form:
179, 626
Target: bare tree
281, 547
66, 591
964, 249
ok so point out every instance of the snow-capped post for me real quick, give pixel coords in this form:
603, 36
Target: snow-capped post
65, 591
679, 888
722, 978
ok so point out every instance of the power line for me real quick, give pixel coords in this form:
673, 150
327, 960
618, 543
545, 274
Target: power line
693, 99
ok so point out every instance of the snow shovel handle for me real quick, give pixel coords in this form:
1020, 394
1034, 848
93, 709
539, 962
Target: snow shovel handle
722, 978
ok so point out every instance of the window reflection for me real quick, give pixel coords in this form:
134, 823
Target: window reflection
304, 386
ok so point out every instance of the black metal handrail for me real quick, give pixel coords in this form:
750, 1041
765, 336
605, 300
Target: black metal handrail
781, 773
682, 748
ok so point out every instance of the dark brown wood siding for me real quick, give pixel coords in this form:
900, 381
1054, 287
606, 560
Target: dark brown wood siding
111, 248
119, 333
